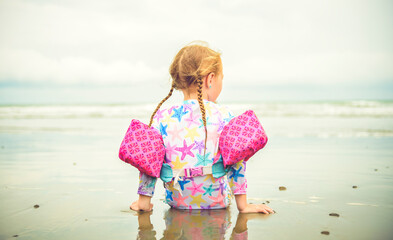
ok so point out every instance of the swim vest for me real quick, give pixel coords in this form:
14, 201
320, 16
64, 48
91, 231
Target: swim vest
240, 139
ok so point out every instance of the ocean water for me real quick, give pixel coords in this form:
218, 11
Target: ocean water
64, 159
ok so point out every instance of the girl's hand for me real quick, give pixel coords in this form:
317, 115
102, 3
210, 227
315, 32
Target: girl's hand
257, 208
142, 204
244, 207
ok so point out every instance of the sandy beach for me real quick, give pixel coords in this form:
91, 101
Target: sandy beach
60, 177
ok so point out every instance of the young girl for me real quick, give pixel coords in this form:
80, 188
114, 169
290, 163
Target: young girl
190, 132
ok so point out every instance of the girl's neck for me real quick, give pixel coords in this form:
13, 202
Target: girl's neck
193, 95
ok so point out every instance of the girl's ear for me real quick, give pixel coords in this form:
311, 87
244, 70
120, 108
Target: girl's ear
209, 79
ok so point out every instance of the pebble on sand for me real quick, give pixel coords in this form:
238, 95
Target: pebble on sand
16, 235
375, 169
334, 214
355, 186
267, 201
282, 188
325, 232
36, 206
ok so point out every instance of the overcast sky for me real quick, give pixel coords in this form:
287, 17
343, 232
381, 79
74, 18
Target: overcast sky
131, 43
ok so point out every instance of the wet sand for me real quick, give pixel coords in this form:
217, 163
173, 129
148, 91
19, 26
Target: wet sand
69, 168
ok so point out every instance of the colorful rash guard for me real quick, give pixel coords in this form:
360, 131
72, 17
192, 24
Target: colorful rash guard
183, 132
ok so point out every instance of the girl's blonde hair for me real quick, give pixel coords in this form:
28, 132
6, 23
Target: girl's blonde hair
190, 65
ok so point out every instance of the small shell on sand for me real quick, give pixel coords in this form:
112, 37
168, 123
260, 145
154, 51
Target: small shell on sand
325, 232
354, 186
36, 206
334, 214
282, 188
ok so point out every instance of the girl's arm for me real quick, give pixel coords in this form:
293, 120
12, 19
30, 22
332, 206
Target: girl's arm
146, 187
238, 183
146, 191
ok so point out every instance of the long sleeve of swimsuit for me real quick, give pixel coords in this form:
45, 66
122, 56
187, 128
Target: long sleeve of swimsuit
146, 185
237, 178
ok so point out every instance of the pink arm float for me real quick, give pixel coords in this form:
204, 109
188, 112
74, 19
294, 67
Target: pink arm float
143, 147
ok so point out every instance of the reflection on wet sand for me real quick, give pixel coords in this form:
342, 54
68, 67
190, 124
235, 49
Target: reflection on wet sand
196, 224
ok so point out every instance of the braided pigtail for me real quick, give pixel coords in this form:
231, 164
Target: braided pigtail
202, 106
159, 105
188, 69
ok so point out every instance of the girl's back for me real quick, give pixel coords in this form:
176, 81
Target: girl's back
183, 132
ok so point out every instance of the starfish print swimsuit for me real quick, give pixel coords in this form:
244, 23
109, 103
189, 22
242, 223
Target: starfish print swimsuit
182, 130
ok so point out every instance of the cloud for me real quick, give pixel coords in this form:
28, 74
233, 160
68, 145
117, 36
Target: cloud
322, 68
27, 64
134, 41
